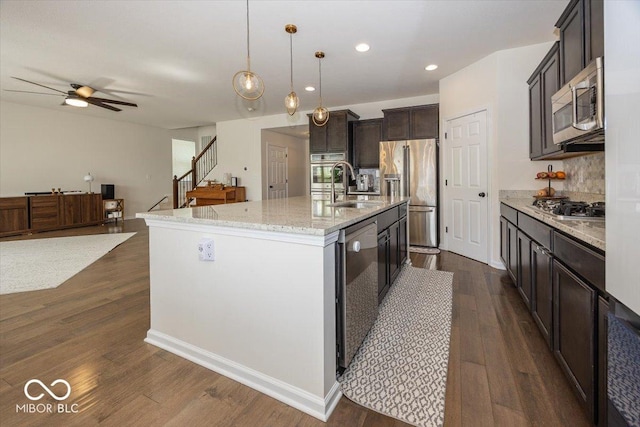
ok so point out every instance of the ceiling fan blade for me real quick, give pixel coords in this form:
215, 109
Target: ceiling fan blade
27, 91
97, 103
113, 101
38, 84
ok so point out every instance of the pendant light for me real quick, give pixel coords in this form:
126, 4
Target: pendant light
291, 101
320, 115
246, 83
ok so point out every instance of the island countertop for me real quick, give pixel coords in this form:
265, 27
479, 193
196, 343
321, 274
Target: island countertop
298, 215
591, 232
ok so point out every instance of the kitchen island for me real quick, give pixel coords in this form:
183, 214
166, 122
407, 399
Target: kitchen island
263, 312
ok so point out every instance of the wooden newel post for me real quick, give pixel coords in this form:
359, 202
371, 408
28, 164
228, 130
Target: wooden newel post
175, 192
193, 173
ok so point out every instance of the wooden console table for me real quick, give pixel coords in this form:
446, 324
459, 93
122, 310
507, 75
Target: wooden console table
209, 196
30, 214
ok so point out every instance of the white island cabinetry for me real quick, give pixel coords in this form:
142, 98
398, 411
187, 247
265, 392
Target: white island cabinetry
263, 311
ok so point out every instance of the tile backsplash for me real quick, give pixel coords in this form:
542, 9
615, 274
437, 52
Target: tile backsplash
585, 174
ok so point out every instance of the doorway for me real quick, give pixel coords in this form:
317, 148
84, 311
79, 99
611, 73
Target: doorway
295, 140
181, 153
465, 201
277, 172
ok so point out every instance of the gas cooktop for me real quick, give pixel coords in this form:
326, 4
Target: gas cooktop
570, 210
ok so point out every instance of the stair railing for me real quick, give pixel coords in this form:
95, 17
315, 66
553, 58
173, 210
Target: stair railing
157, 203
201, 166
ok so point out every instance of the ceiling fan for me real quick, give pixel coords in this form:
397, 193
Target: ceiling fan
80, 96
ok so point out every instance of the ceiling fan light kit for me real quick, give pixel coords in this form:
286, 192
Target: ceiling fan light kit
291, 101
320, 115
75, 101
247, 84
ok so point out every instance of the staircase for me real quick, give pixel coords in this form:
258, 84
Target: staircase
201, 166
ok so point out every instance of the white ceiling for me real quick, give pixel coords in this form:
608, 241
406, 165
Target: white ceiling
175, 59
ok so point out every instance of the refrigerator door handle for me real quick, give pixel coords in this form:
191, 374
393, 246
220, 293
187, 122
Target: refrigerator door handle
407, 171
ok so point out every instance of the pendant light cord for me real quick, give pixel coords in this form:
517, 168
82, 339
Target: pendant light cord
291, 57
320, 74
248, 55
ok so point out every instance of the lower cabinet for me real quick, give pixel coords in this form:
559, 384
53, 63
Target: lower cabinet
542, 304
575, 333
14, 215
524, 282
392, 248
565, 292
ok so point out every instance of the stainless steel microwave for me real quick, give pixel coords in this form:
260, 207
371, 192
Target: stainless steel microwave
578, 108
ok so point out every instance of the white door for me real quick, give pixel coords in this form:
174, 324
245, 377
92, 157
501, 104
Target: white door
277, 172
466, 218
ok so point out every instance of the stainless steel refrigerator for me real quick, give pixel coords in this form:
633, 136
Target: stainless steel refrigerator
410, 168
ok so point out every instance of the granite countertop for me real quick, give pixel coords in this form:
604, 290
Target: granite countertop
299, 215
590, 232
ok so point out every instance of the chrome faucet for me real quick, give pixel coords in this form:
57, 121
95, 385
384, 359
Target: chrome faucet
345, 183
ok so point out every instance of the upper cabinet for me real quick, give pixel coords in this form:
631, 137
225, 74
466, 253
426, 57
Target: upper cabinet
335, 136
420, 122
367, 135
581, 28
544, 82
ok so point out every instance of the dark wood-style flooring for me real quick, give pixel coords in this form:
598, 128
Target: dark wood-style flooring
90, 331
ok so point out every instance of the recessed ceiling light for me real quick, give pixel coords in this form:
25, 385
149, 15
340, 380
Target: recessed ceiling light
431, 67
309, 88
362, 47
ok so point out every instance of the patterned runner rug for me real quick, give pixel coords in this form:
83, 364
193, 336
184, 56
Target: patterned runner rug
401, 368
31, 265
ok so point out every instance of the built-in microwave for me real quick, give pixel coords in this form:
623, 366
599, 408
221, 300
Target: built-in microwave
578, 108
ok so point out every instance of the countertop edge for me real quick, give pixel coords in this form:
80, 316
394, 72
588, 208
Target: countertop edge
167, 216
581, 230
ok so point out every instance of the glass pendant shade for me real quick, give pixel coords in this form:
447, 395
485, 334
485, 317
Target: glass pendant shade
320, 115
246, 83
291, 101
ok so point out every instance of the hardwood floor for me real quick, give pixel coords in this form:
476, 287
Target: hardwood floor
90, 331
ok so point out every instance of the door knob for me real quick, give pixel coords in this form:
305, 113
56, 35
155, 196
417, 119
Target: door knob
481, 194
271, 186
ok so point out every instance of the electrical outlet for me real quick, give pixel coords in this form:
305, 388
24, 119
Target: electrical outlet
206, 250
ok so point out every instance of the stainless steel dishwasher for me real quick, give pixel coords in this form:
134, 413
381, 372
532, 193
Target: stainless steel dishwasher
357, 287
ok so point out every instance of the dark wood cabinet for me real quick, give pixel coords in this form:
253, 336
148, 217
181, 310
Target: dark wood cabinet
14, 215
581, 27
367, 135
46, 212
72, 208
419, 122
508, 241
334, 137
603, 310
543, 83
524, 283
574, 333
542, 306
392, 247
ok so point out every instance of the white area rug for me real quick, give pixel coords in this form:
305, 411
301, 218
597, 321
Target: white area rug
30, 265
401, 368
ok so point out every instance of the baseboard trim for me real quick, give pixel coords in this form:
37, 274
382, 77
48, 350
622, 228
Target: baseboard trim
284, 392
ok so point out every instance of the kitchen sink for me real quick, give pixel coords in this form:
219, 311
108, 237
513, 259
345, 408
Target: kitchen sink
357, 204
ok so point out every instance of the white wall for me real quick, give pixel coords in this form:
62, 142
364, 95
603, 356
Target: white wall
297, 162
239, 141
622, 154
498, 83
43, 148
205, 131
182, 152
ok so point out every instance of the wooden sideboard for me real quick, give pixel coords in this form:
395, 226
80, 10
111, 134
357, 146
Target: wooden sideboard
215, 196
30, 214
